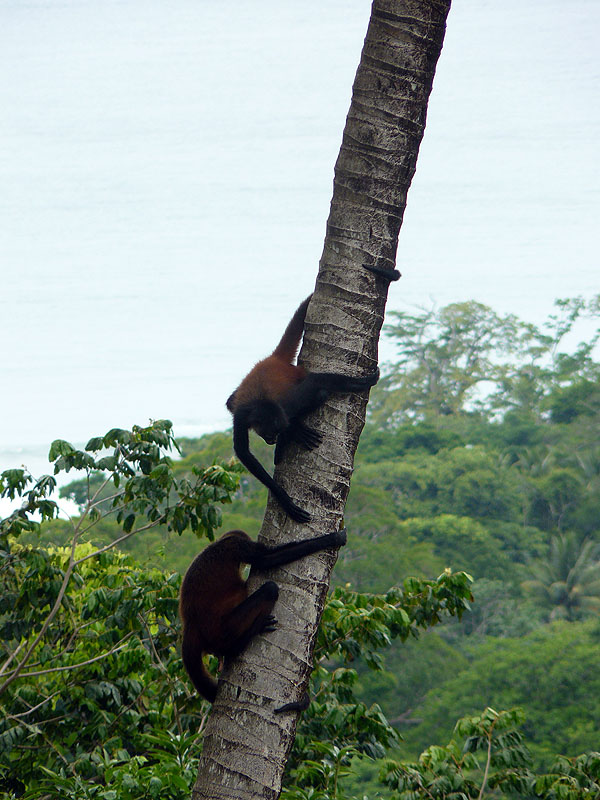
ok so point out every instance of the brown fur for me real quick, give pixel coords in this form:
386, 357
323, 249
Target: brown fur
274, 399
270, 379
212, 587
217, 613
276, 374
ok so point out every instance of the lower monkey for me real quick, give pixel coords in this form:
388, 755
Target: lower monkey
218, 614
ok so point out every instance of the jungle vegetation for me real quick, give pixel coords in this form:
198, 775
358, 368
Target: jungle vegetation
469, 589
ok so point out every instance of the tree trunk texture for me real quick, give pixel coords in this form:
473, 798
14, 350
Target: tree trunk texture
246, 745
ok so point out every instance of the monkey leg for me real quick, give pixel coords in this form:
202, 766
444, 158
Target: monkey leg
269, 557
250, 617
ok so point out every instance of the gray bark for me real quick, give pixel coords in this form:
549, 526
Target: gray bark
246, 745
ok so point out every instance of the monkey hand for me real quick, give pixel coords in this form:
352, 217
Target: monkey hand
359, 384
389, 273
292, 510
298, 514
298, 705
298, 432
372, 379
269, 624
308, 437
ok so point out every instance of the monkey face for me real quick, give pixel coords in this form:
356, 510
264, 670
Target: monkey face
268, 436
269, 430
268, 420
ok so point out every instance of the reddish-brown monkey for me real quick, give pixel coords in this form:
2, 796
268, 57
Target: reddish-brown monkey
273, 399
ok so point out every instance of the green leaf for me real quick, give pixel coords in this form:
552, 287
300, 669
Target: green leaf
107, 462
128, 523
94, 444
116, 436
59, 448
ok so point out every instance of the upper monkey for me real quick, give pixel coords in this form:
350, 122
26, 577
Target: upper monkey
273, 399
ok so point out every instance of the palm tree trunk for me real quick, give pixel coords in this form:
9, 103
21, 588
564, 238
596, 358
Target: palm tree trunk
246, 745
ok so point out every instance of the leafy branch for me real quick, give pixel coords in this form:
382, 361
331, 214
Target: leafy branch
133, 479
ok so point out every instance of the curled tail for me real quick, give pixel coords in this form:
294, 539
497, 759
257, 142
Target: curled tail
192, 654
290, 341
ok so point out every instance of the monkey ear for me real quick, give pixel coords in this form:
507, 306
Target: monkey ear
230, 402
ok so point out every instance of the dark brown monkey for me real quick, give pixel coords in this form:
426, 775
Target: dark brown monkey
273, 399
218, 615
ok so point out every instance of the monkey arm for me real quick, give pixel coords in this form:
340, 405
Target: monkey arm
241, 446
280, 445
265, 557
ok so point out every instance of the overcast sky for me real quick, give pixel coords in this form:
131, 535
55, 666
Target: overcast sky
166, 173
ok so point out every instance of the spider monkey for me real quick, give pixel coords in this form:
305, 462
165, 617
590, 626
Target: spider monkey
273, 399
218, 615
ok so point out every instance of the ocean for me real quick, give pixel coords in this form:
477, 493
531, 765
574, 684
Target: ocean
166, 172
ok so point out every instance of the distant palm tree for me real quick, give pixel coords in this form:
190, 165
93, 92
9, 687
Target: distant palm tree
568, 579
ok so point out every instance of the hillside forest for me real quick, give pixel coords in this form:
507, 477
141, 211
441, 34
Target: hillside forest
459, 652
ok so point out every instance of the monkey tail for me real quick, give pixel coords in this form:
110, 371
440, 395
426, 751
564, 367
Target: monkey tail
290, 341
192, 654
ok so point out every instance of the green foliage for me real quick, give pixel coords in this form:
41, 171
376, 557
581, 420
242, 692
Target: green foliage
460, 541
80, 491
400, 612
145, 492
465, 357
567, 582
571, 779
566, 403
102, 708
88, 666
167, 770
495, 612
410, 669
491, 760
13, 484
443, 356
382, 445
103, 701
360, 563
554, 672
338, 727
492, 754
481, 454
466, 481
141, 483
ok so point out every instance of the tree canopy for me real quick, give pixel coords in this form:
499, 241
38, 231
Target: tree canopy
94, 698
